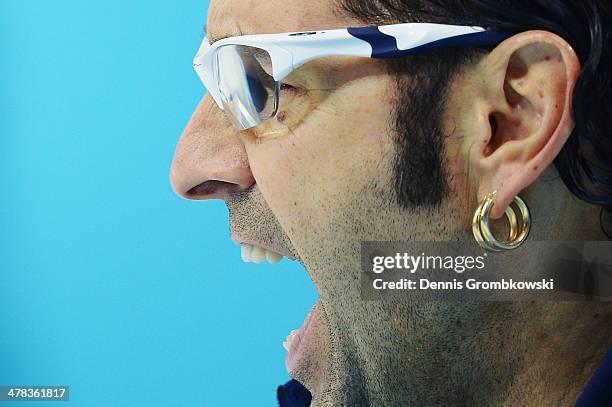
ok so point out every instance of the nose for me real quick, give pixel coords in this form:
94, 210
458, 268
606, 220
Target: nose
210, 161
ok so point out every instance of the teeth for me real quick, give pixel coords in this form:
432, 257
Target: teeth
272, 257
289, 340
256, 254
246, 250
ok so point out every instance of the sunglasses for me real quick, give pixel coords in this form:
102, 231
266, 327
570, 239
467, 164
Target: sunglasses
244, 74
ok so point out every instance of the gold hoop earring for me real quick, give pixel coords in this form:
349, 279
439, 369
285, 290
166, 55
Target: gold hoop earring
517, 235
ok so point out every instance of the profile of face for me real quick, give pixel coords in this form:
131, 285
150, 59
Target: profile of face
320, 178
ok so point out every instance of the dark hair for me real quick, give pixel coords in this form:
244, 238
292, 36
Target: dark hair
585, 163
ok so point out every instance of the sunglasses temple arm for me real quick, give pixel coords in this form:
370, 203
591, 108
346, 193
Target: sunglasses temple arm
371, 42
332, 43
398, 41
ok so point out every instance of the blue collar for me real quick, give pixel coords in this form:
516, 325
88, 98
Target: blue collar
598, 392
293, 394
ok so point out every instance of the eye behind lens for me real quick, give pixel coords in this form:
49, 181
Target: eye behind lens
259, 94
247, 88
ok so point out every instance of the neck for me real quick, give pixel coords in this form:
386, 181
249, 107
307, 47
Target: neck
521, 354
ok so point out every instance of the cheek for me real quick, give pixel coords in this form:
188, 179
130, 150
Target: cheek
330, 158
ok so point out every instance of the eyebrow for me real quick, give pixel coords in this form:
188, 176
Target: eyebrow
212, 38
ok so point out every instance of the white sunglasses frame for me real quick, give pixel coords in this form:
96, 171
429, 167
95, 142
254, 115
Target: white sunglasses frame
289, 51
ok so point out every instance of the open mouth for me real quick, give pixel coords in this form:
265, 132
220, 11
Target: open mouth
296, 342
255, 228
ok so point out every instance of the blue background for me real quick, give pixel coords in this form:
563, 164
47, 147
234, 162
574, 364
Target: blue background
109, 283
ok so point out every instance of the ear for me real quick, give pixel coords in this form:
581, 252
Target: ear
524, 113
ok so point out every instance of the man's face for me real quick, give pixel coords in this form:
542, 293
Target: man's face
317, 180
311, 183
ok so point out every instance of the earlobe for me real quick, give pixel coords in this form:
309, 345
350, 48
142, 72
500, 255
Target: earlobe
529, 82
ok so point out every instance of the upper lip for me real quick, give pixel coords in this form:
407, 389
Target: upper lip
245, 209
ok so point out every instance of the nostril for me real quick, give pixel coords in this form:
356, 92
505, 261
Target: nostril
208, 189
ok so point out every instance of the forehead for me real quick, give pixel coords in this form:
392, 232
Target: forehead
241, 17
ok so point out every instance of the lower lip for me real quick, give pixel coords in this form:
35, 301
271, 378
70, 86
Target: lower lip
298, 345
